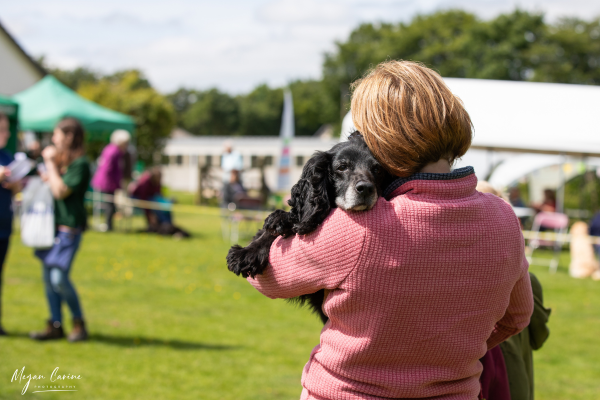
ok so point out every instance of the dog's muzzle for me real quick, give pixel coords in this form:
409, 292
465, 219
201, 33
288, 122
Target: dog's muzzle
360, 197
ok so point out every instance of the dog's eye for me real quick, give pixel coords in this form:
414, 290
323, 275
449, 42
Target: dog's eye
376, 170
342, 167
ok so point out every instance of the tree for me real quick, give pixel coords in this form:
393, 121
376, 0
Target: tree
313, 106
75, 78
260, 111
516, 46
212, 113
130, 93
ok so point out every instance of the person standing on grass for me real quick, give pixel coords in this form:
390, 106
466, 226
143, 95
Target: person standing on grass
7, 189
68, 175
423, 284
109, 174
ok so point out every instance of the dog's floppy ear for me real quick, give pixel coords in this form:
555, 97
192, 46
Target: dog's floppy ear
312, 197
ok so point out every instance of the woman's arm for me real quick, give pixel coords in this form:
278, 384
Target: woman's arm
517, 315
320, 260
57, 186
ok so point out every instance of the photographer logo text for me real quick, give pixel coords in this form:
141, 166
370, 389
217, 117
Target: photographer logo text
57, 382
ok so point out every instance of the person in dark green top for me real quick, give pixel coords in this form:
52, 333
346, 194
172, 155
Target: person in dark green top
517, 350
68, 175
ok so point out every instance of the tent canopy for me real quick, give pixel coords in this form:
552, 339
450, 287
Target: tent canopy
11, 109
529, 117
48, 101
549, 118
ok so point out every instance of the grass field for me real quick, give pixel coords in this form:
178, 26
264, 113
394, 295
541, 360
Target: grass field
168, 321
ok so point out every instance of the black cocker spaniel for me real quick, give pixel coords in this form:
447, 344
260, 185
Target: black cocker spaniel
347, 176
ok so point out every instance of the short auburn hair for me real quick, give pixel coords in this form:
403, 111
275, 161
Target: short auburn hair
409, 117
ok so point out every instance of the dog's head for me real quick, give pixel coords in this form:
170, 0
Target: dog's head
347, 176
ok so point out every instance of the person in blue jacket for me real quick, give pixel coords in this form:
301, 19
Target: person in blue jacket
7, 189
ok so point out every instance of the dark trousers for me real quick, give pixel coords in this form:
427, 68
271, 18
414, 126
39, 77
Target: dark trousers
3, 251
109, 211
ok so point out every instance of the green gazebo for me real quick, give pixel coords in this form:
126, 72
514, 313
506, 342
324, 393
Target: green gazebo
11, 109
48, 101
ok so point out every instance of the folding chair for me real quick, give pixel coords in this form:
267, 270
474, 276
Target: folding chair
244, 209
558, 223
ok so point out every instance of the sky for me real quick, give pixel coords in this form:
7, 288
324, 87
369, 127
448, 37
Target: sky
233, 45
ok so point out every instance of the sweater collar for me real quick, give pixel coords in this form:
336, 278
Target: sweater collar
460, 183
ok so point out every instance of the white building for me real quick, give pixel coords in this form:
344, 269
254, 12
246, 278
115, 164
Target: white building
183, 155
17, 70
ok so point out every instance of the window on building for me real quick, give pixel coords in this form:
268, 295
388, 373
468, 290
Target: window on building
253, 161
299, 161
178, 160
164, 159
268, 160
209, 160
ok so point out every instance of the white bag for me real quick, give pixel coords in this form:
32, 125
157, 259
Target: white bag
37, 218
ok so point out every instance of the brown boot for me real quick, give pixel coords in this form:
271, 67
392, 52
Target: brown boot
53, 330
78, 333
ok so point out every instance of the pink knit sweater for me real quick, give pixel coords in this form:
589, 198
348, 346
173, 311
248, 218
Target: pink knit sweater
420, 287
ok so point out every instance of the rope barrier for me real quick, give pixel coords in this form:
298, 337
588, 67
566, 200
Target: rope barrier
189, 209
155, 205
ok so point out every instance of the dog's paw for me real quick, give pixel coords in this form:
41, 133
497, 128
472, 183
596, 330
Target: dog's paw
278, 224
246, 261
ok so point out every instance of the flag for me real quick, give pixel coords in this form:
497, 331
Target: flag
286, 134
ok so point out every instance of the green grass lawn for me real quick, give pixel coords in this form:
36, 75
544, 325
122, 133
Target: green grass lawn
168, 321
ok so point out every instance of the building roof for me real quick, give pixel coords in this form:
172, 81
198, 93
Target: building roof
531, 117
30, 60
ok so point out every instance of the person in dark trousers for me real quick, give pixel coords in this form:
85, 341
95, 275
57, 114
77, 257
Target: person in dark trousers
110, 172
7, 189
68, 175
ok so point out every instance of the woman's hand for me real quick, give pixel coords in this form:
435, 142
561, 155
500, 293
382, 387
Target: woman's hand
4, 173
49, 154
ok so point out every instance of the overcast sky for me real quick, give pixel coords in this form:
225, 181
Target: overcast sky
231, 44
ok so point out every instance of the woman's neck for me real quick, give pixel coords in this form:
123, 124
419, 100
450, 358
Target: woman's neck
442, 166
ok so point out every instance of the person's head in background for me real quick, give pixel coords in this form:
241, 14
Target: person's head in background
34, 149
549, 196
514, 193
409, 117
227, 147
4, 130
155, 175
235, 176
121, 139
68, 137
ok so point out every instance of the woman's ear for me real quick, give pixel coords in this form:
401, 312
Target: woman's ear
312, 197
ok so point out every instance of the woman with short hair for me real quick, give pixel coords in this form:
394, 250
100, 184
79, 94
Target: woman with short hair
423, 284
68, 175
109, 174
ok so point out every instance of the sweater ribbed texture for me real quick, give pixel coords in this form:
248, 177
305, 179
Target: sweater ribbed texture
420, 287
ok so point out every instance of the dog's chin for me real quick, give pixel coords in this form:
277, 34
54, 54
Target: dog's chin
352, 206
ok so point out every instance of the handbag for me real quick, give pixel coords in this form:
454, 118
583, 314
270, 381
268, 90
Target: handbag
37, 218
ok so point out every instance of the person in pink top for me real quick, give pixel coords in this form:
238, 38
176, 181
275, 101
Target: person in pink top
423, 284
109, 174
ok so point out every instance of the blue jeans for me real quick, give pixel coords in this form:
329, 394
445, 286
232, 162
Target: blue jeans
56, 267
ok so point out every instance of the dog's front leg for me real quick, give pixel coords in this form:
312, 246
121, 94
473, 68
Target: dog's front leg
252, 259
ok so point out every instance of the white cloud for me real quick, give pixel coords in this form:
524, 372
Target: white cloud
309, 12
232, 44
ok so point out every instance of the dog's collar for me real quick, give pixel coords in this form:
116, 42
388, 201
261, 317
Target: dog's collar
428, 176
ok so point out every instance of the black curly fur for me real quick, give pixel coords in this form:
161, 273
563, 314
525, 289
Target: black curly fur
312, 199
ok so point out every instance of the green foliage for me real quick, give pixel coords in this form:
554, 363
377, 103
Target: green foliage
130, 93
514, 46
213, 113
312, 106
260, 111
75, 78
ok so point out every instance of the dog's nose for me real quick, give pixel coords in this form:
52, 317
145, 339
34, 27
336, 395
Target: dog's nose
364, 188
